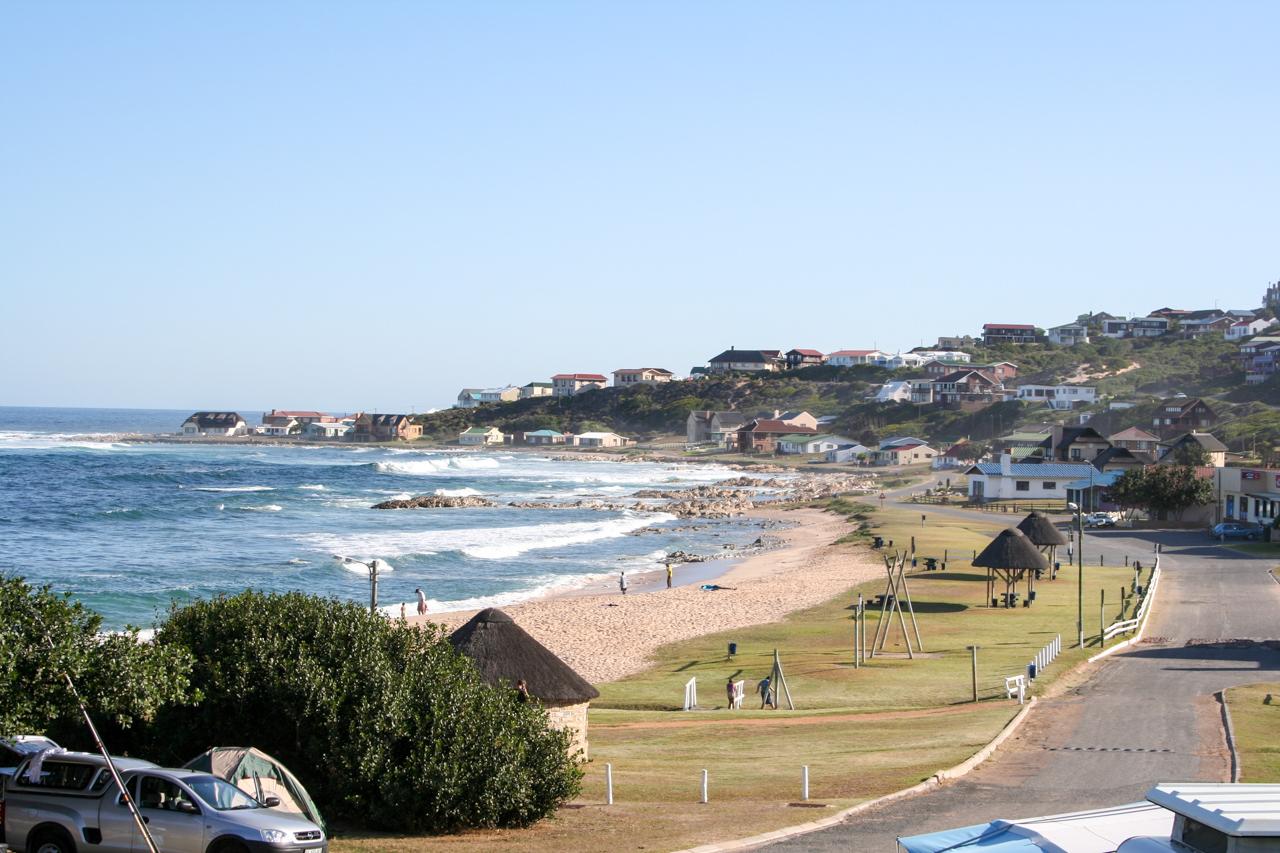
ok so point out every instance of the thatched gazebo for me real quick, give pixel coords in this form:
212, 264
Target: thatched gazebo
1010, 557
504, 652
1045, 535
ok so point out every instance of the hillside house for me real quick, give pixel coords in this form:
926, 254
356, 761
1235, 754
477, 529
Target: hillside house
797, 358
954, 342
796, 418
952, 457
855, 357
1258, 358
1009, 333
1198, 327
1069, 334
468, 398
751, 360
1073, 444
215, 423
1214, 450
1135, 327
544, 437
705, 426
967, 390
1009, 480
1137, 441
478, 435
813, 443
1247, 328
1183, 414
281, 417
569, 384
904, 454
601, 439
948, 355
1059, 396
536, 389
626, 377
385, 428
761, 435
897, 391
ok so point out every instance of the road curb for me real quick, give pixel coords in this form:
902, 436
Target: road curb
937, 780
1221, 696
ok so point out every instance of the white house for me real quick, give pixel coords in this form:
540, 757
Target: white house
954, 356
904, 454
215, 423
469, 398
278, 430
335, 428
1069, 334
813, 443
1246, 328
854, 357
535, 389
601, 439
1007, 480
568, 384
903, 359
480, 435
847, 454
1059, 396
897, 391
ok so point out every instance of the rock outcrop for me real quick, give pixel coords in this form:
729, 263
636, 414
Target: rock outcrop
435, 502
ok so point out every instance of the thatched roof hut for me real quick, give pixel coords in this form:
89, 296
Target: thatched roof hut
502, 651
1011, 549
1041, 531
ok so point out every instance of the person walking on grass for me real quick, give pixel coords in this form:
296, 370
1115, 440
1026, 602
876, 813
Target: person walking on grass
730, 692
765, 689
422, 601
668, 576
622, 582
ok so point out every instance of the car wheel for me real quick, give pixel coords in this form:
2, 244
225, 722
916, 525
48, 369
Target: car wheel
228, 845
51, 841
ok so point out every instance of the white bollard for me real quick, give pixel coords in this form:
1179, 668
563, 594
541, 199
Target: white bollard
608, 784
704, 786
804, 784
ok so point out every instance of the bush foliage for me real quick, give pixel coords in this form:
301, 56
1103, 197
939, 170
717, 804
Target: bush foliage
387, 726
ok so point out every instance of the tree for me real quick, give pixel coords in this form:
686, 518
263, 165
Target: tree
387, 726
1191, 453
43, 635
971, 451
1161, 489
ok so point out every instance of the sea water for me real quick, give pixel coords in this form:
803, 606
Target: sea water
132, 528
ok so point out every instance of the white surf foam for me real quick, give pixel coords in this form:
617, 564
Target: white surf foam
358, 567
464, 492
232, 488
263, 508
484, 543
314, 487
427, 467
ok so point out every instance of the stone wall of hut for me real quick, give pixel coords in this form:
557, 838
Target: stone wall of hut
572, 718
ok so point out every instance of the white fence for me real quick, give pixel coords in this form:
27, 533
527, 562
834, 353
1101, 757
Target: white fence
1148, 595
1044, 657
691, 694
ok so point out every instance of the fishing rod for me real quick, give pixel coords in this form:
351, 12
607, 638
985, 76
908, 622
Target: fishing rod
138, 820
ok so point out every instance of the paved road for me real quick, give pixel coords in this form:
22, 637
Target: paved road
1143, 716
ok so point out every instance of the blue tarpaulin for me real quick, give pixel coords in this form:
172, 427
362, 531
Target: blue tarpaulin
998, 836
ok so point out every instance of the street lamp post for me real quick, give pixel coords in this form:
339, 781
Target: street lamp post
1080, 577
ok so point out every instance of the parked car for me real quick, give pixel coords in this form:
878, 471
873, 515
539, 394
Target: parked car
13, 750
1100, 519
73, 800
1235, 530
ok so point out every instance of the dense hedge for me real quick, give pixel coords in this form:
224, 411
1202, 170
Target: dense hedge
386, 725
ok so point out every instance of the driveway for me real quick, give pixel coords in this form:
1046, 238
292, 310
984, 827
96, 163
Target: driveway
1142, 716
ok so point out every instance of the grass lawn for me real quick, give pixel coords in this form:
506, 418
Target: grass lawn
1263, 548
1255, 724
863, 732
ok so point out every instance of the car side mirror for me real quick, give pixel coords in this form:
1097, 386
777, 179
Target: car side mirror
187, 807
271, 802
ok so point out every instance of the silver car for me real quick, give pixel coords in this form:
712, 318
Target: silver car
72, 803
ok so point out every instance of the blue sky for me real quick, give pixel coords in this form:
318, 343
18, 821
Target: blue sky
370, 205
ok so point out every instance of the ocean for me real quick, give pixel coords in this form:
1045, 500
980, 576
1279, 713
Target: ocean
131, 528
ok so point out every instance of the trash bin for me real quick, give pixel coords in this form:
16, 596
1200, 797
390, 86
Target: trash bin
733, 649
1031, 671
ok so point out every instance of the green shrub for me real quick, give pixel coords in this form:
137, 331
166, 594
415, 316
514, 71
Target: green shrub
387, 726
44, 635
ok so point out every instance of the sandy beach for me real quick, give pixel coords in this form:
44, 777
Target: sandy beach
607, 636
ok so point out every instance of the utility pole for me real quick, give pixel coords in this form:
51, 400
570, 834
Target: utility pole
1079, 577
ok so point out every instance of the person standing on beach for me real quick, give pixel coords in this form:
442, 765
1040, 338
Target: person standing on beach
622, 582
668, 576
422, 601
402, 613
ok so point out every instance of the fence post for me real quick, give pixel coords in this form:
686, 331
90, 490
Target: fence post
608, 784
1102, 617
804, 784
704, 786
974, 671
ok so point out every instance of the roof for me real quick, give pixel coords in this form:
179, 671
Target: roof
550, 433
1099, 480
792, 415
387, 420
746, 355
1040, 530
1114, 454
479, 430
1021, 326
771, 425
538, 385
901, 447
1133, 434
1011, 549
215, 419
805, 439
729, 419
1182, 403
289, 413
598, 435
1204, 439
1234, 809
1047, 470
643, 370
853, 352
503, 651
805, 352
581, 377
958, 375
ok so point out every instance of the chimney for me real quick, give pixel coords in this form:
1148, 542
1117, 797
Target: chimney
1055, 438
1006, 464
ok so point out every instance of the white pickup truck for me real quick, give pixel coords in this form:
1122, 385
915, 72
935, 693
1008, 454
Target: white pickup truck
71, 803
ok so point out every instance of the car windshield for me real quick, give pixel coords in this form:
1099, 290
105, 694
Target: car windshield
221, 795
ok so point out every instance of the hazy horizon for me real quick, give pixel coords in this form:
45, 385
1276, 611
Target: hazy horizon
308, 204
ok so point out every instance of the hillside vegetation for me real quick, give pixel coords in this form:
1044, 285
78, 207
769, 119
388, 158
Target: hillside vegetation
1139, 371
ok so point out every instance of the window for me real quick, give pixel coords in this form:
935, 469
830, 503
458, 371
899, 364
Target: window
1022, 485
1049, 485
157, 793
1199, 837
63, 775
